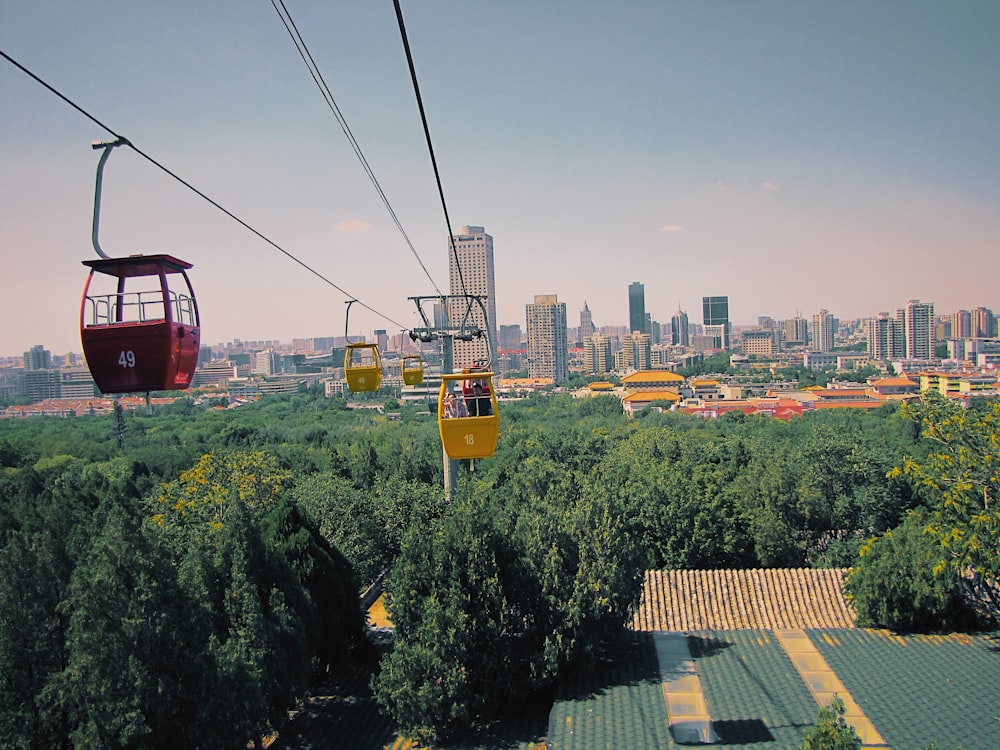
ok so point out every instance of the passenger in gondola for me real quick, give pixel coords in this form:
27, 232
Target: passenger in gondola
477, 396
453, 407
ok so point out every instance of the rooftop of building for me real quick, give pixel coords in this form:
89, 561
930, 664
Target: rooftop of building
652, 376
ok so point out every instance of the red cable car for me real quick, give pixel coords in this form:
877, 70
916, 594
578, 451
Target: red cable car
138, 334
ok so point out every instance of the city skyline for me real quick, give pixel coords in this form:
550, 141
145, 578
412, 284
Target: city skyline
791, 157
794, 328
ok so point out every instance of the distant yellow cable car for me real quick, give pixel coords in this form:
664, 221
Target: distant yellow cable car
413, 369
362, 367
468, 420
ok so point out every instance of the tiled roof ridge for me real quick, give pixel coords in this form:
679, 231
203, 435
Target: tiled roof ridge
745, 599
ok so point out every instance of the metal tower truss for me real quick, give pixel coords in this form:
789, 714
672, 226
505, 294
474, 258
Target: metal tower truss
466, 330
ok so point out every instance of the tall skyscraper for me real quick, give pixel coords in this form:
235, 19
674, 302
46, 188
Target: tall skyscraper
548, 353
715, 315
680, 331
918, 329
586, 323
637, 307
474, 254
822, 330
653, 328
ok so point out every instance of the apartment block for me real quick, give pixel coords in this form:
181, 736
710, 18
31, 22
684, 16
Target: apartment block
548, 349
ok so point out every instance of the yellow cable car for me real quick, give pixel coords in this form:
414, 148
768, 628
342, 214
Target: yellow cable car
413, 369
362, 367
468, 421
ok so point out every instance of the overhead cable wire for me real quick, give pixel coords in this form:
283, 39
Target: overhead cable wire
427, 135
190, 187
331, 103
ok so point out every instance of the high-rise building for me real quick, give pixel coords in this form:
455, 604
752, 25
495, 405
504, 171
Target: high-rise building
942, 328
440, 316
637, 307
796, 331
586, 322
510, 337
885, 337
38, 358
984, 323
548, 353
822, 330
470, 271
636, 353
680, 331
653, 328
715, 316
918, 329
267, 362
598, 354
961, 325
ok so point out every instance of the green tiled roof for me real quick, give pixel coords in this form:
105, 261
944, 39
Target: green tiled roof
920, 688
618, 705
753, 692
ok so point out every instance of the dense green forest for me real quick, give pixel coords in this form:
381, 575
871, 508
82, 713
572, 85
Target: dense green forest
185, 576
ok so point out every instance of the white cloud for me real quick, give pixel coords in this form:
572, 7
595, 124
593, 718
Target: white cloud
355, 226
768, 185
672, 228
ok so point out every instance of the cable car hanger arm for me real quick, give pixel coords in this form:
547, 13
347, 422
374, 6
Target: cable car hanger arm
107, 146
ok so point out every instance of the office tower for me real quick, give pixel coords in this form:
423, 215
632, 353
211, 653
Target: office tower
440, 316
796, 332
381, 339
470, 270
598, 354
822, 330
548, 353
715, 316
636, 307
586, 323
918, 329
38, 358
680, 331
510, 337
267, 362
984, 323
653, 328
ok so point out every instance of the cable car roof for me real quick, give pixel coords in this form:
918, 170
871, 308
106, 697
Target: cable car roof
138, 265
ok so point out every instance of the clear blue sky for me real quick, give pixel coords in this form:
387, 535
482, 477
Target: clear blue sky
792, 155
